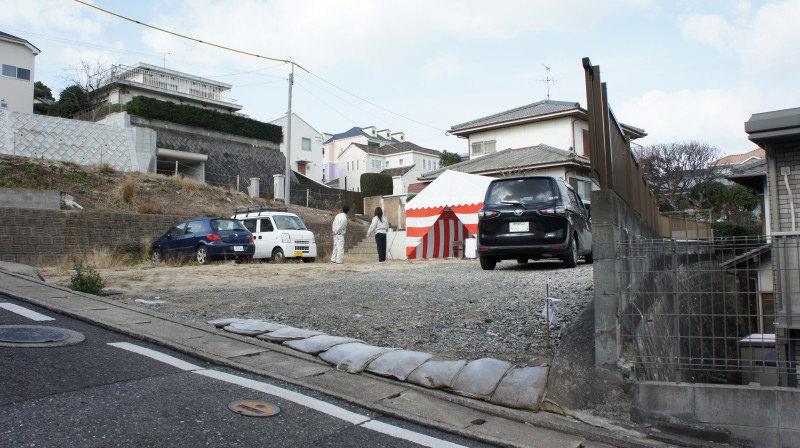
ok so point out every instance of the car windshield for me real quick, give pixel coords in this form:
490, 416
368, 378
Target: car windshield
521, 192
285, 222
227, 224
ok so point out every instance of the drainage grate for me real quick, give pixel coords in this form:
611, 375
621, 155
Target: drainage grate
37, 336
254, 408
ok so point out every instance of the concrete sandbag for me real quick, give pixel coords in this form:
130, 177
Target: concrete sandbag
288, 334
318, 344
436, 374
521, 388
252, 327
352, 357
398, 363
479, 378
224, 322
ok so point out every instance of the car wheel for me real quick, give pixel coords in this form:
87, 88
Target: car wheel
571, 257
309, 260
488, 264
522, 260
588, 258
155, 256
201, 255
278, 256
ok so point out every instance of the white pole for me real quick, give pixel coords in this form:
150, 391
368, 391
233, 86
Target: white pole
288, 179
307, 190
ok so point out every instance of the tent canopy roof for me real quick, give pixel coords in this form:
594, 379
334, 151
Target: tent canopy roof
451, 188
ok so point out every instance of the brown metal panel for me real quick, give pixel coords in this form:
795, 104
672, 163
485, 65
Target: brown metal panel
606, 145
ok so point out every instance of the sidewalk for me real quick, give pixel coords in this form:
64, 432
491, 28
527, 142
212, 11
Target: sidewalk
470, 418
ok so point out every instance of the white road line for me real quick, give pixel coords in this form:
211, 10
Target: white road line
294, 397
30, 314
289, 395
158, 356
411, 436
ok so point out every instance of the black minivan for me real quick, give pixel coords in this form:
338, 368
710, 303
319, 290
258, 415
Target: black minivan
533, 217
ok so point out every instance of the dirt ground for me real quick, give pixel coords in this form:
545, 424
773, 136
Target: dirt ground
450, 308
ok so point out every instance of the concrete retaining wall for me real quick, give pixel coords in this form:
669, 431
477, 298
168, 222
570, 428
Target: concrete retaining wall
768, 416
28, 198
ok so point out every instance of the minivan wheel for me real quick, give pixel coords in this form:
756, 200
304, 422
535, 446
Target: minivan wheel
571, 257
488, 264
201, 255
155, 256
278, 256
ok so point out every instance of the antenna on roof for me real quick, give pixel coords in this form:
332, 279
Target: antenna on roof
165, 58
547, 80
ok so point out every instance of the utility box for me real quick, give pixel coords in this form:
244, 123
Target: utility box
254, 189
279, 186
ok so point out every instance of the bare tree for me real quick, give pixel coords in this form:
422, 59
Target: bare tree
673, 169
89, 77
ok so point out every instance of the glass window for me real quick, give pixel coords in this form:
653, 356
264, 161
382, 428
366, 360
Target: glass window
177, 230
266, 225
306, 144
194, 227
9, 70
387, 163
401, 162
521, 191
486, 147
286, 222
23, 73
249, 224
226, 224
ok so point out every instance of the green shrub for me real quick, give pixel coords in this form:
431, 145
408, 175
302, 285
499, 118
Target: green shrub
204, 118
728, 229
86, 279
374, 184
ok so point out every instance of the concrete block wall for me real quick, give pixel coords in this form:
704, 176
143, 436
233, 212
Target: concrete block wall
28, 198
81, 142
356, 232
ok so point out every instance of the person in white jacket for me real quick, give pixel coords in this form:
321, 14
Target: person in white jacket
379, 225
339, 228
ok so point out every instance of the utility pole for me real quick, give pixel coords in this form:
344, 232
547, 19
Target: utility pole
289, 142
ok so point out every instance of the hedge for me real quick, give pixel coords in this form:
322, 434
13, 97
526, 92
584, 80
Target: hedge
375, 184
204, 118
729, 229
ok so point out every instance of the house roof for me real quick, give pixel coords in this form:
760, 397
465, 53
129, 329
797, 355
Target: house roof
735, 159
532, 111
751, 168
394, 148
510, 159
355, 132
399, 171
775, 126
12, 38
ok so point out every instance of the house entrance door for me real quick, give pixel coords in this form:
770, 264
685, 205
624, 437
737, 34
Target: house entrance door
301, 168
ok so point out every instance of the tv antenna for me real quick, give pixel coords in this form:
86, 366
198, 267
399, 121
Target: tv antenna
547, 80
165, 58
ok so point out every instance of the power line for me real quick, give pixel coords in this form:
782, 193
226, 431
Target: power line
183, 36
325, 103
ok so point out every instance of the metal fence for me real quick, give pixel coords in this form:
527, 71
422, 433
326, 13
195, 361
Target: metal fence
711, 310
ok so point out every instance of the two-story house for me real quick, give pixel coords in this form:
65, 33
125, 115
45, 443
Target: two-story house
306, 156
335, 144
404, 161
17, 57
546, 138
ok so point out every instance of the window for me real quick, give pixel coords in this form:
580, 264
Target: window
287, 222
425, 164
194, 227
249, 224
23, 73
177, 230
387, 164
226, 224
9, 70
481, 148
266, 225
357, 165
374, 145
401, 162
306, 146
16, 72
434, 165
376, 163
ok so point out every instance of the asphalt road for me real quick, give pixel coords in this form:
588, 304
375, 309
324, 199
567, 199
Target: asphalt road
94, 394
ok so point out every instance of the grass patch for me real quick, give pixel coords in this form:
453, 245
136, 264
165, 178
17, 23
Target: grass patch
86, 279
128, 191
149, 208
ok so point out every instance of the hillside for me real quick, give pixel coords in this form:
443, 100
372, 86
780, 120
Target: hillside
102, 189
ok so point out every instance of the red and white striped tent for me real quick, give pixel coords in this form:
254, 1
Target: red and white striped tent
446, 211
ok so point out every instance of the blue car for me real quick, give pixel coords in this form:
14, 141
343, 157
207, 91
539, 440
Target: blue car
204, 239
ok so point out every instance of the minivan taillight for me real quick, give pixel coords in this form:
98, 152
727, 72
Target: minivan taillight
560, 210
213, 237
252, 238
487, 213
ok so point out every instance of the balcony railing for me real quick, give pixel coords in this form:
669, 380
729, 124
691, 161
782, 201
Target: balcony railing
167, 81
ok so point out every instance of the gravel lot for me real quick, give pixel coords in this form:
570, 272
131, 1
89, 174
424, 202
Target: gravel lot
447, 307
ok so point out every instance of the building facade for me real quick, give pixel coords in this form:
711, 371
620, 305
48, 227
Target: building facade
358, 159
335, 144
306, 156
18, 57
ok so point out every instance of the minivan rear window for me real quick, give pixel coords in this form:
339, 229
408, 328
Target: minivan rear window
227, 224
521, 191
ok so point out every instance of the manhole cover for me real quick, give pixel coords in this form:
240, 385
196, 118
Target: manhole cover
254, 408
37, 336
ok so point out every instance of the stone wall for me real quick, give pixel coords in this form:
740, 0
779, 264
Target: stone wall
81, 142
28, 198
356, 232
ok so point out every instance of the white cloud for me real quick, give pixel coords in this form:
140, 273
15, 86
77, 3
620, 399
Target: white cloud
709, 29
442, 67
53, 17
716, 116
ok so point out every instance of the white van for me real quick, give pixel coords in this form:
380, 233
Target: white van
278, 234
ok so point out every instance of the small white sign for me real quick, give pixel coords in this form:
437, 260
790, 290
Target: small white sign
519, 226
552, 308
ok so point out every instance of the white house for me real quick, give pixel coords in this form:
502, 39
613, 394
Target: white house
306, 156
335, 144
543, 138
403, 159
17, 57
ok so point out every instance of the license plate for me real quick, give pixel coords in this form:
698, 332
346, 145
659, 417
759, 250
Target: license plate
298, 253
518, 226
238, 248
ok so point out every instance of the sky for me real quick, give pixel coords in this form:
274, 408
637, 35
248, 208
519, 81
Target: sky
680, 69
